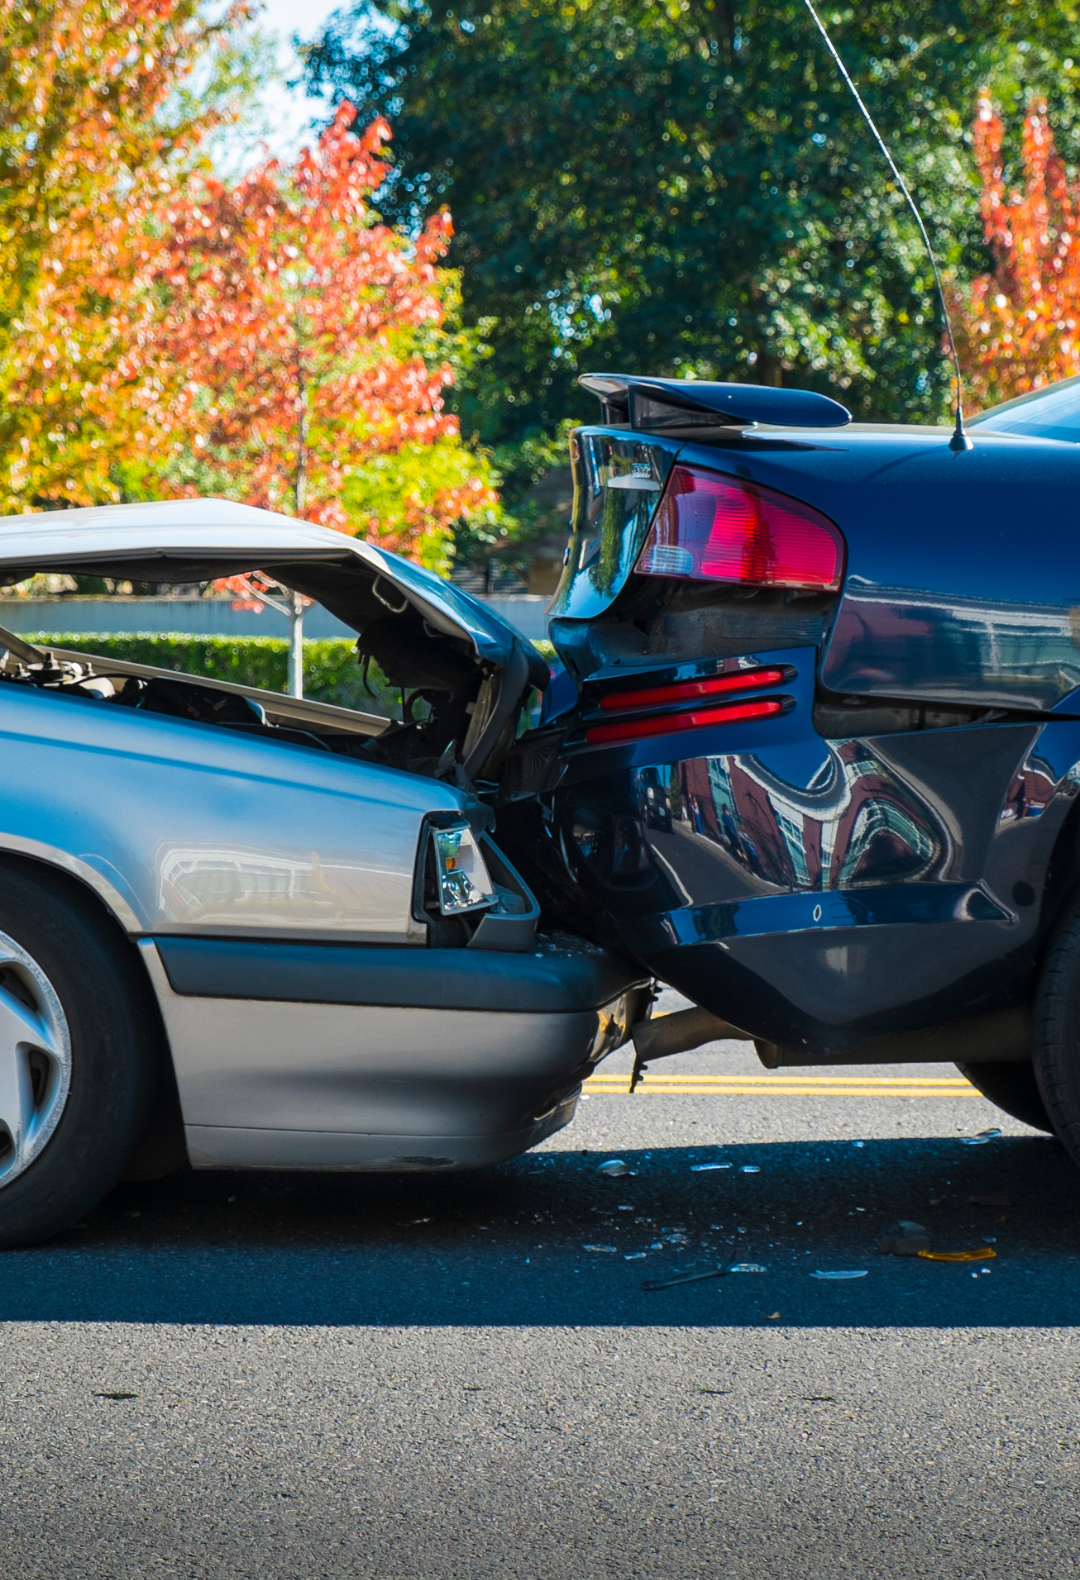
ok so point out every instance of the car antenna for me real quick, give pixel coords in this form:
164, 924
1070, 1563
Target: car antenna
959, 440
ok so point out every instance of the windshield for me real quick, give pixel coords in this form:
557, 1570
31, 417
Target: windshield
1051, 413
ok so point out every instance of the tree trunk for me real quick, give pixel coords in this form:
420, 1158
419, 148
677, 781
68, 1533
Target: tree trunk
300, 475
296, 604
768, 370
296, 645
713, 22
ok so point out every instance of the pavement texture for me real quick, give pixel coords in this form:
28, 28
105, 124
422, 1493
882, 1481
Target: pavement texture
301, 1376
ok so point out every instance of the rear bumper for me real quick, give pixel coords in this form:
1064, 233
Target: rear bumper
827, 991
558, 975
820, 893
829, 971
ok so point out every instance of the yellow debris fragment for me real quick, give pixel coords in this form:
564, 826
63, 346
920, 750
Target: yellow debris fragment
982, 1253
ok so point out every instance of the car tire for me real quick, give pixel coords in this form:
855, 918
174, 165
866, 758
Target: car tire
1013, 1088
1057, 1029
79, 1051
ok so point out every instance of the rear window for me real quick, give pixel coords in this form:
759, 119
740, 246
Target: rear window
1051, 413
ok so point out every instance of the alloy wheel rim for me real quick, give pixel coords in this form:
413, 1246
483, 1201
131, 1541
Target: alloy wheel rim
35, 1060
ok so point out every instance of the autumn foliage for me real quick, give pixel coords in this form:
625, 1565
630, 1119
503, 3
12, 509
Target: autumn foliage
307, 334
164, 332
90, 146
1019, 327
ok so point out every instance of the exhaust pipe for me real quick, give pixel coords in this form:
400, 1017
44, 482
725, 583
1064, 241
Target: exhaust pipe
681, 1031
1001, 1038
678, 1033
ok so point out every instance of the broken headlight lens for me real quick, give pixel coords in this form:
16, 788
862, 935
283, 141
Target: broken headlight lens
462, 876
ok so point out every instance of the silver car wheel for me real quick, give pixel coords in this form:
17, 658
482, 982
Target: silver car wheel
35, 1059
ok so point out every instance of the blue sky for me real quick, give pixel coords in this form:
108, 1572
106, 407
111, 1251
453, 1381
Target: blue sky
289, 114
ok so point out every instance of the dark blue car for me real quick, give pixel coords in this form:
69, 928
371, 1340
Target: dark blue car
818, 764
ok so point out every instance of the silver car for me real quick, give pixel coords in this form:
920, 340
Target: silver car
246, 930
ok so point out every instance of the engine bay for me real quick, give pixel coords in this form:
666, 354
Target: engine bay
445, 696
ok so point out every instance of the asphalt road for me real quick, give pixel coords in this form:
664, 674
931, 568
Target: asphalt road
298, 1377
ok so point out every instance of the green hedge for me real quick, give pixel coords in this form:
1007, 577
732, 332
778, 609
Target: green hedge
331, 672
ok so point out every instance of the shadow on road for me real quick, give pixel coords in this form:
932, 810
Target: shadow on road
509, 1246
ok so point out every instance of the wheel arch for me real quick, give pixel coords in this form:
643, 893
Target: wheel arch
162, 1147
1061, 873
104, 889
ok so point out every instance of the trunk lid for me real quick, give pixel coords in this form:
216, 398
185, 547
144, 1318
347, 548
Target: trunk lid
603, 617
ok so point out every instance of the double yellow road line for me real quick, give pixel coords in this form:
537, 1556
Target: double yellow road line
784, 1085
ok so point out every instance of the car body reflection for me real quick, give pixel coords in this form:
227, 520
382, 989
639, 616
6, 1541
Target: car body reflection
900, 641
854, 823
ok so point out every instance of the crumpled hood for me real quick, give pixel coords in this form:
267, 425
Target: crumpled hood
193, 540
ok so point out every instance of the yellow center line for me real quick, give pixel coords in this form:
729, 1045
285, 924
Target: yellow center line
790, 1086
803, 1080
758, 1091
947, 1081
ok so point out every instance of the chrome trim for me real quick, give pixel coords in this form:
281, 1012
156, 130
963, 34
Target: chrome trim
647, 485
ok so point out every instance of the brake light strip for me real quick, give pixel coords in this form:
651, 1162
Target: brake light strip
691, 690
691, 719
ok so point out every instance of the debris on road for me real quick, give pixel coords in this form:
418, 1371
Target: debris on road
991, 1199
750, 1168
982, 1253
846, 1272
904, 1239
703, 1168
614, 1168
981, 1139
689, 1278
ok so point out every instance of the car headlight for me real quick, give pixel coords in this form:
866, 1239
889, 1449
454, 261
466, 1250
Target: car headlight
463, 880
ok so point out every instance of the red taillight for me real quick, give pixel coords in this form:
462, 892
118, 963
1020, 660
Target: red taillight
669, 723
690, 690
709, 527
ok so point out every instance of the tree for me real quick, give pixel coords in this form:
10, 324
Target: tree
254, 590
310, 342
95, 129
684, 187
1019, 325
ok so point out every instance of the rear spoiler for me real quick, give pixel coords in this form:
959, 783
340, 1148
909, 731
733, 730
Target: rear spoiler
656, 405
